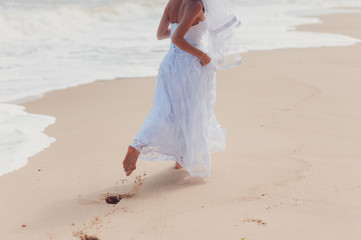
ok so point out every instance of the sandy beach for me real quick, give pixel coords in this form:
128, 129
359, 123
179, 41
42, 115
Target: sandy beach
291, 169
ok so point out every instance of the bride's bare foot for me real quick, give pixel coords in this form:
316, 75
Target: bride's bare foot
130, 160
177, 166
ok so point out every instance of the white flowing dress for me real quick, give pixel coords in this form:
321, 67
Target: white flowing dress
181, 125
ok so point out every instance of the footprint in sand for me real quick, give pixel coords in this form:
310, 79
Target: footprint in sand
115, 198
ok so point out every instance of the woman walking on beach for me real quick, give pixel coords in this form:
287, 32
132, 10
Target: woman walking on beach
181, 125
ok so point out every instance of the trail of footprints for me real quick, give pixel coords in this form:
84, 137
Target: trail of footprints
109, 198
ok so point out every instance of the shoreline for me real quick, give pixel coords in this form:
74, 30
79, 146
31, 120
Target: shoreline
292, 155
303, 27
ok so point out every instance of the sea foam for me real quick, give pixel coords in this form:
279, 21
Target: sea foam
21, 136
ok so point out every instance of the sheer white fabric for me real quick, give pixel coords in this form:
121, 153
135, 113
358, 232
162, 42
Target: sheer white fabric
181, 125
223, 42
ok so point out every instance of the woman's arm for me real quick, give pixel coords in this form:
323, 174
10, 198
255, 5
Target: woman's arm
163, 28
192, 11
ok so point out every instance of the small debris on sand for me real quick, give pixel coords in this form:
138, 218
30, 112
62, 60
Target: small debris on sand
23, 226
258, 221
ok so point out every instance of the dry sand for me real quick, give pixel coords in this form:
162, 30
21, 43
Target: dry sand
291, 170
